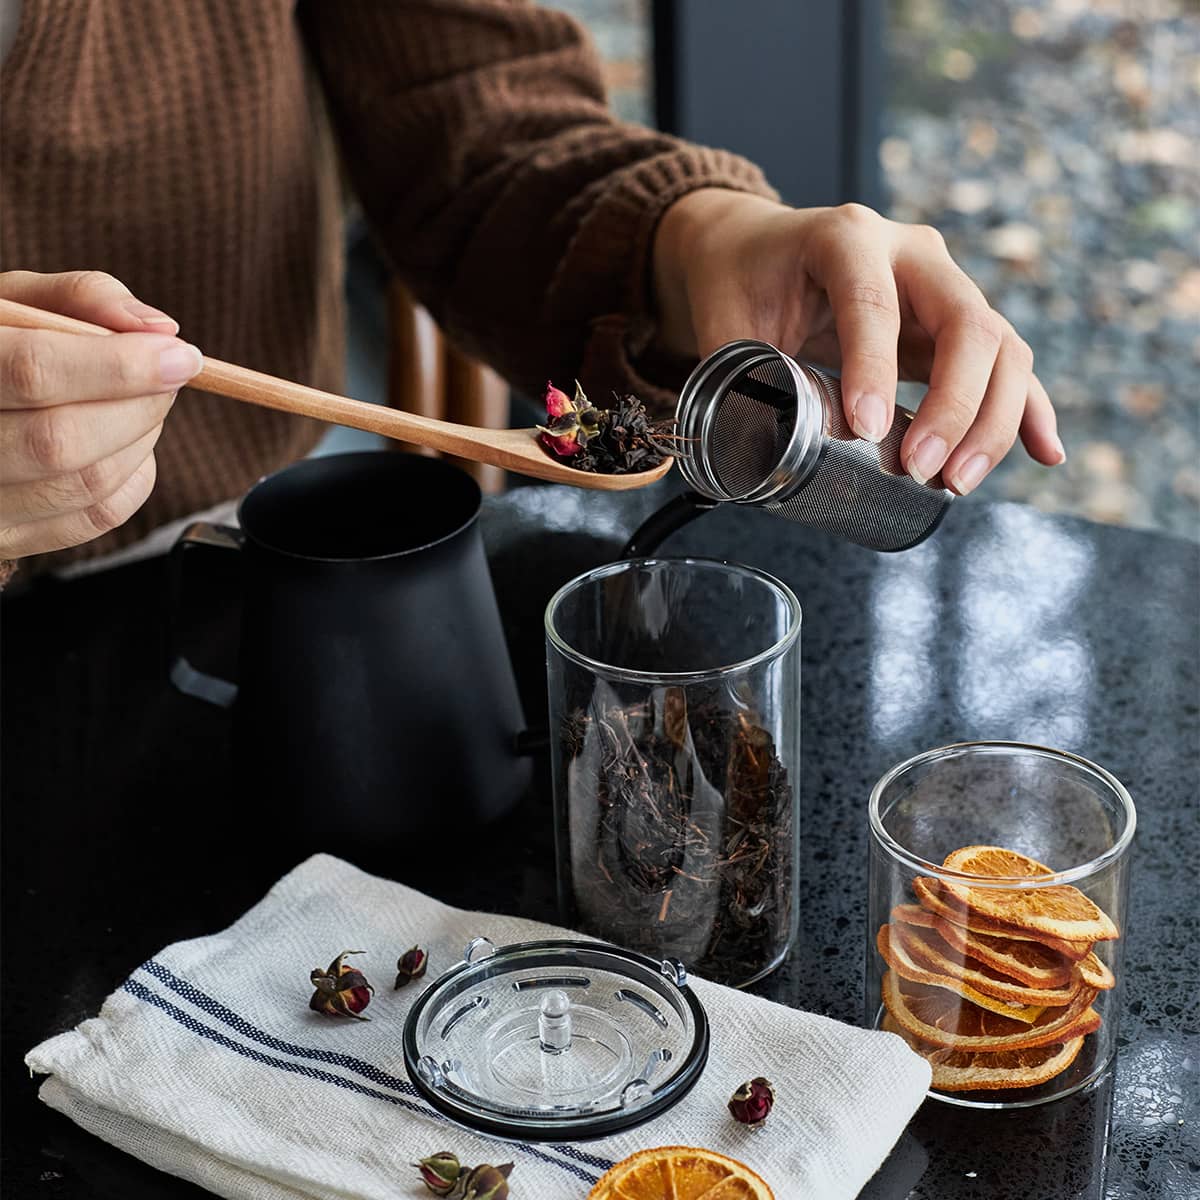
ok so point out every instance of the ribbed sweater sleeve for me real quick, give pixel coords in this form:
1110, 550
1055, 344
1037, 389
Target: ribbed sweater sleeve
518, 209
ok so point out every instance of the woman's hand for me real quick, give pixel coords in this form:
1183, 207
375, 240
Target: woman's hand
79, 416
845, 287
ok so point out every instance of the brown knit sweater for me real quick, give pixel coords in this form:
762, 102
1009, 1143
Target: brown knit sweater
185, 146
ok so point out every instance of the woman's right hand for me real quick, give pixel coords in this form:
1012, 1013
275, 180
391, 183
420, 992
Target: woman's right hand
80, 415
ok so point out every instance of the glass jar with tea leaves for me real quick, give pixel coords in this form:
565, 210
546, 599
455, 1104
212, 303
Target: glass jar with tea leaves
675, 736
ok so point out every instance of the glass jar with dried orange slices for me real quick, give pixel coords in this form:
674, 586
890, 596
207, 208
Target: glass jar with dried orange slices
998, 880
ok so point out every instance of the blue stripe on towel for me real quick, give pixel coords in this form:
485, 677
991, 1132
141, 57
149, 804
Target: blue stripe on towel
141, 992
215, 1008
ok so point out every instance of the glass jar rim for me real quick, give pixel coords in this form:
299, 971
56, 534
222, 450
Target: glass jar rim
1008, 883
611, 670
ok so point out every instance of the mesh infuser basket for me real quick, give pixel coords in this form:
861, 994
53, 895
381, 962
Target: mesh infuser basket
765, 430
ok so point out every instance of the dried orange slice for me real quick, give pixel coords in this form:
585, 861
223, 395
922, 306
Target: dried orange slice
991, 862
897, 956
1028, 962
927, 948
972, 1070
933, 897
913, 914
1095, 974
936, 1015
680, 1173
1032, 963
1058, 910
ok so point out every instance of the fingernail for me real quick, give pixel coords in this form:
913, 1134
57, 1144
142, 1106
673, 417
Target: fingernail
1062, 453
148, 315
926, 460
177, 364
971, 473
870, 417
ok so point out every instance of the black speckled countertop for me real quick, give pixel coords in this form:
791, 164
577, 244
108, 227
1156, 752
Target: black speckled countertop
121, 836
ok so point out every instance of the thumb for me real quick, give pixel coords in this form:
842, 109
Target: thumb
89, 296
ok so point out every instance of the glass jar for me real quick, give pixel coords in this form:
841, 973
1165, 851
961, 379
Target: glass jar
998, 883
675, 733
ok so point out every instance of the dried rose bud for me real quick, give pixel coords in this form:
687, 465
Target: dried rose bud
487, 1182
557, 401
569, 432
410, 965
751, 1104
563, 447
440, 1172
341, 990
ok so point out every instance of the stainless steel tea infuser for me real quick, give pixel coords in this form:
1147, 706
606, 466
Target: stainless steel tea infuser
764, 430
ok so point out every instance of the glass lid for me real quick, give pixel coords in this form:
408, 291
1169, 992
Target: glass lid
556, 1040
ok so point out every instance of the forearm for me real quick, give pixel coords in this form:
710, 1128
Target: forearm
687, 231
516, 207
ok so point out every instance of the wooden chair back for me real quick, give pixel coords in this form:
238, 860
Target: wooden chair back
427, 375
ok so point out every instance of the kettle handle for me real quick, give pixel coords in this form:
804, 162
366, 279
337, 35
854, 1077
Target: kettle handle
188, 679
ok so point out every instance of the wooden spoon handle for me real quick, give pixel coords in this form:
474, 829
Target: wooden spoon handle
512, 449
255, 387
25, 316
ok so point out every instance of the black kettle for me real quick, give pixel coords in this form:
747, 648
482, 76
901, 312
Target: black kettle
374, 697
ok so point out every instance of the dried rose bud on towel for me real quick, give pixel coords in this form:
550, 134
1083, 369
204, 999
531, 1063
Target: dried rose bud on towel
341, 990
610, 441
441, 1172
411, 965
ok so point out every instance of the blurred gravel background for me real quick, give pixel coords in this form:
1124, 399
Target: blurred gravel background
1056, 144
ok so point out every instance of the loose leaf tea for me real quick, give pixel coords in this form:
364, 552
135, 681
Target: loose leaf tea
681, 820
620, 440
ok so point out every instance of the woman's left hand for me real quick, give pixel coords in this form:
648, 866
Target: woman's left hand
847, 288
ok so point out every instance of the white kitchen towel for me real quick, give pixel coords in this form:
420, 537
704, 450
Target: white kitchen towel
208, 1063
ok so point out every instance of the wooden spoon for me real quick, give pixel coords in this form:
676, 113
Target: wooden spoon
513, 449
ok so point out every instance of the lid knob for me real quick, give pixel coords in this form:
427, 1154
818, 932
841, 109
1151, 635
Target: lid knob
554, 1022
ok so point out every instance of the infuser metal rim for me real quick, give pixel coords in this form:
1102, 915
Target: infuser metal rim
695, 468
799, 460
667, 678
702, 396
470, 1111
1007, 883
697, 409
